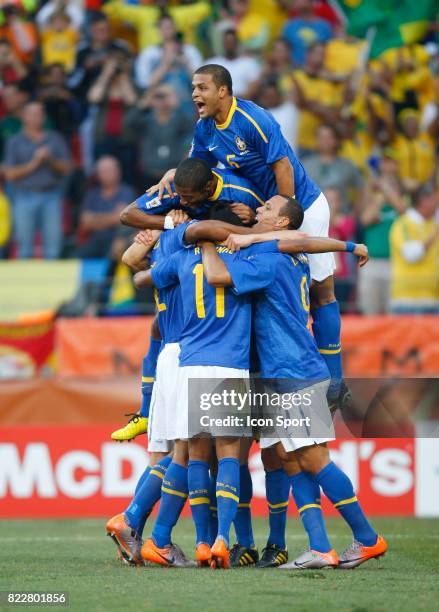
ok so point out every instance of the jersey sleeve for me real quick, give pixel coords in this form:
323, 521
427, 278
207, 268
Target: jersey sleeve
151, 205
165, 273
199, 148
251, 272
174, 239
266, 137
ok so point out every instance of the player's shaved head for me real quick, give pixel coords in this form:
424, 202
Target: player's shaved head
292, 209
193, 173
220, 75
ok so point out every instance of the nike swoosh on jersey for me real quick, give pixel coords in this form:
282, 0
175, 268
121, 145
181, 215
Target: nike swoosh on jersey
213, 148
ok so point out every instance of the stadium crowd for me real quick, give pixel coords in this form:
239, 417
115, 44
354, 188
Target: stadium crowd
95, 105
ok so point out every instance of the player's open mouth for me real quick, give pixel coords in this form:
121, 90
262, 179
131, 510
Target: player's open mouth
200, 106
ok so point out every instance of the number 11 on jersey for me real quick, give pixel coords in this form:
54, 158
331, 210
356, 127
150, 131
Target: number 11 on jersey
199, 294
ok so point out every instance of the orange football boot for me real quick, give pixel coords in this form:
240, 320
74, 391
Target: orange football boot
203, 555
126, 539
220, 555
169, 556
356, 553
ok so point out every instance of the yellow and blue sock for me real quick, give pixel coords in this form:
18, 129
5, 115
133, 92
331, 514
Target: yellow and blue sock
147, 496
213, 514
227, 495
243, 518
306, 493
338, 488
149, 366
277, 492
326, 327
174, 496
198, 480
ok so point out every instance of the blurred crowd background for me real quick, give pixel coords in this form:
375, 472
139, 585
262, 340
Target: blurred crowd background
95, 105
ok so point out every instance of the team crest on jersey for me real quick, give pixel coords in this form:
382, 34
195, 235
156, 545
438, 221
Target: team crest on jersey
241, 144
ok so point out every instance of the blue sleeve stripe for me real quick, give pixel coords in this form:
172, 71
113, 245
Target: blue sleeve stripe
257, 126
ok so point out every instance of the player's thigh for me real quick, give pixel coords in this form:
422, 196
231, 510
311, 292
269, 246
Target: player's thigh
316, 223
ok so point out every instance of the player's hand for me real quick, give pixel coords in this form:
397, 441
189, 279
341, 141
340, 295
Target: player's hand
178, 217
164, 183
144, 237
362, 253
235, 242
244, 212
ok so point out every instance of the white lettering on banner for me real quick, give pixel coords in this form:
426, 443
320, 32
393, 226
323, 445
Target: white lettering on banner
31, 474
113, 456
427, 470
392, 472
65, 474
391, 468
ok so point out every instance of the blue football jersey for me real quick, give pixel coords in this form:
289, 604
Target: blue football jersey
285, 346
217, 321
230, 188
168, 299
249, 142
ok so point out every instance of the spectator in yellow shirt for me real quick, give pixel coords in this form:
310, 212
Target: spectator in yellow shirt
413, 81
58, 41
5, 223
415, 150
318, 99
144, 18
414, 252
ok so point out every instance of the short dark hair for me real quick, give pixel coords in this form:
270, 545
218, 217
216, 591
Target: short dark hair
220, 75
221, 211
425, 191
193, 173
293, 210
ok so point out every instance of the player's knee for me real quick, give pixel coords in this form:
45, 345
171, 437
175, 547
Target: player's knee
271, 459
155, 458
322, 292
313, 459
181, 453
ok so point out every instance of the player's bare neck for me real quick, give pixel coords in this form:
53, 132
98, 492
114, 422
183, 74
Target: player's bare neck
223, 110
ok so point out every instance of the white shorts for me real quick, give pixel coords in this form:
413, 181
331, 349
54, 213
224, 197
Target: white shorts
164, 400
181, 428
316, 223
320, 423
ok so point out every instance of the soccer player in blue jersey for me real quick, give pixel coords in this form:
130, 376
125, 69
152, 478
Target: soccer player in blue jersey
195, 189
215, 344
166, 479
245, 138
288, 352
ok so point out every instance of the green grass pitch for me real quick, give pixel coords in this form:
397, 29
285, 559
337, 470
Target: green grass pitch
75, 556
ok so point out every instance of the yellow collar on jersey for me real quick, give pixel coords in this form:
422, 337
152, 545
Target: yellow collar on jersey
223, 126
218, 188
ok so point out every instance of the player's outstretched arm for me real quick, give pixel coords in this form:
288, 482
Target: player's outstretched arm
134, 256
215, 270
315, 244
236, 242
134, 217
214, 231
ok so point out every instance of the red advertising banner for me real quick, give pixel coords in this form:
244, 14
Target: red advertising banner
371, 346
76, 471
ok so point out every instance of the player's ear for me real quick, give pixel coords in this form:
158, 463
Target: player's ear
282, 222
